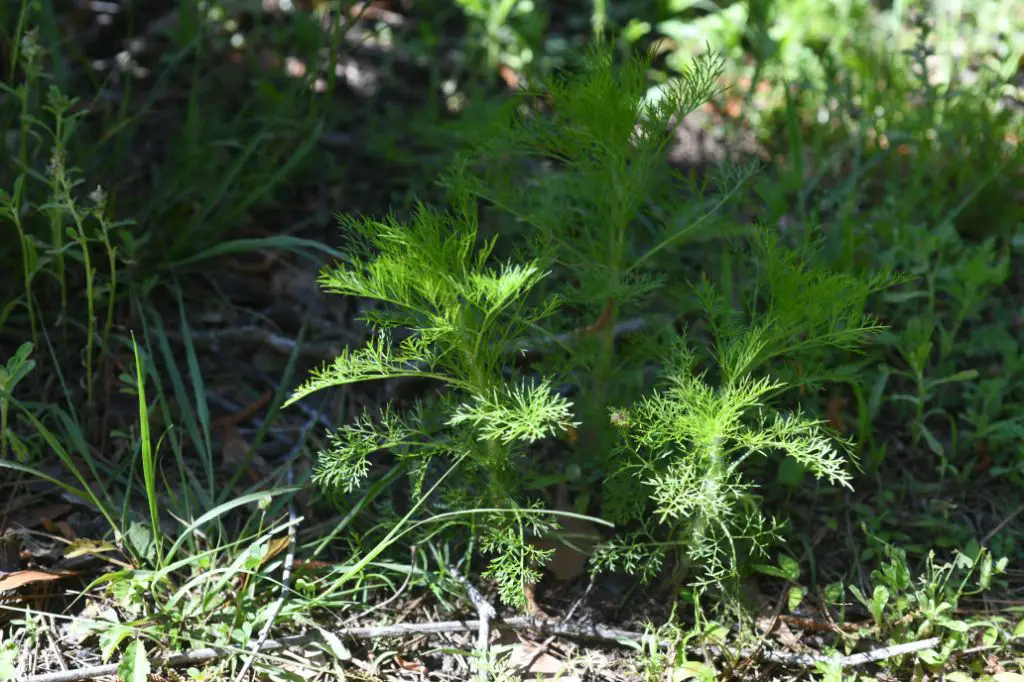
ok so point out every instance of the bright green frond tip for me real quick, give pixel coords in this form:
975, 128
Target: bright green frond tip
378, 359
344, 464
517, 413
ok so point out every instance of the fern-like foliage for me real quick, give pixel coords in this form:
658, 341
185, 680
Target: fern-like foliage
798, 311
599, 141
579, 162
458, 311
685, 446
437, 282
579, 165
516, 413
516, 560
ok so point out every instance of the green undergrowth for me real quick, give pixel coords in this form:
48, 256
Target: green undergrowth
114, 197
667, 464
927, 190
799, 376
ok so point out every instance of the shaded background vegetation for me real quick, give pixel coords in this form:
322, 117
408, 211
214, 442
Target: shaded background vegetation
168, 188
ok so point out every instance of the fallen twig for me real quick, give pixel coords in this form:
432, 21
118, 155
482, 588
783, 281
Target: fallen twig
887, 652
485, 612
544, 626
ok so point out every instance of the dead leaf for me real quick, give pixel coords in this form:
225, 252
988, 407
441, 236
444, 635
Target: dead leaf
788, 638
533, 661
66, 531
13, 581
275, 547
413, 666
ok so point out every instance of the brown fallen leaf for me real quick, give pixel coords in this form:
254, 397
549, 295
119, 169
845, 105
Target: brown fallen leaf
277, 545
13, 581
778, 628
413, 666
59, 528
533, 661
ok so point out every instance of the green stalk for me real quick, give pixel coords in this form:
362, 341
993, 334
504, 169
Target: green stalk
90, 277
149, 472
709, 487
112, 293
25, 90
57, 185
607, 357
26, 271
3, 428
599, 17
481, 384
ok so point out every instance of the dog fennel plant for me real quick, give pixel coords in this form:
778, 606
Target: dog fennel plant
685, 447
580, 163
599, 217
457, 312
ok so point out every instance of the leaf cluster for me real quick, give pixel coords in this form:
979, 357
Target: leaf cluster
580, 161
687, 444
600, 214
449, 315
